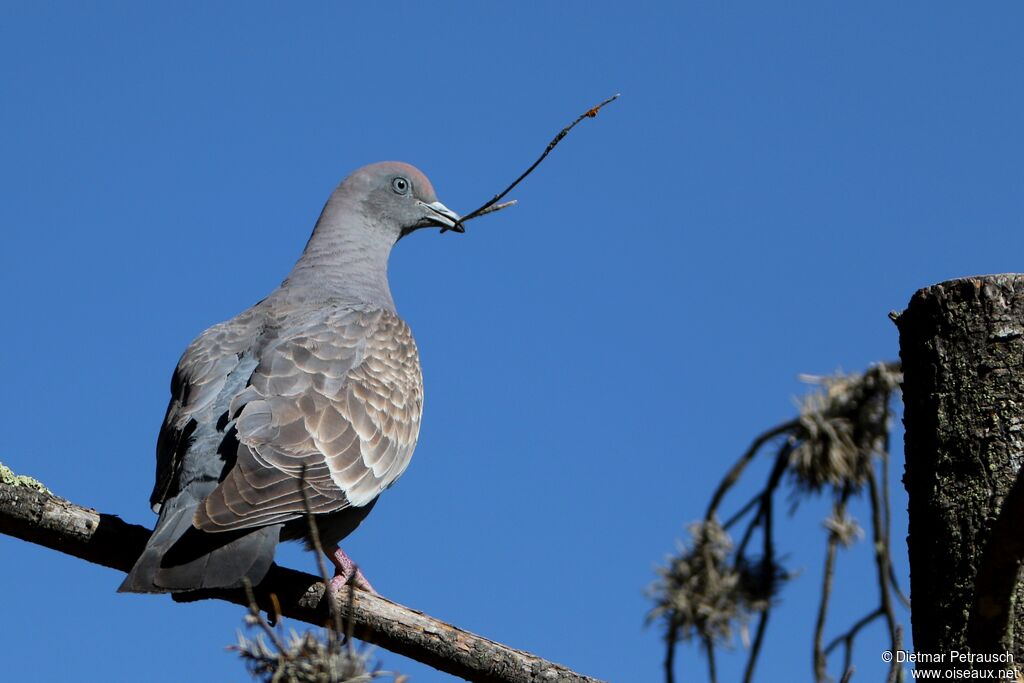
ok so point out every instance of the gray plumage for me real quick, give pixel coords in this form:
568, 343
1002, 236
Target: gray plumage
317, 384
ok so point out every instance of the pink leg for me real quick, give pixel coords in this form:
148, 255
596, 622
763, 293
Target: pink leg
346, 571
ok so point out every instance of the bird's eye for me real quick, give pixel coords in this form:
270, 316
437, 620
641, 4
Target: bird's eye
400, 185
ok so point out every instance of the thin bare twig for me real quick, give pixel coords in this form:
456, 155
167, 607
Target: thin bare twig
318, 549
886, 505
763, 517
851, 632
820, 662
257, 620
741, 513
897, 644
491, 209
768, 552
590, 113
343, 627
709, 648
832, 547
882, 562
762, 628
737, 469
670, 652
896, 589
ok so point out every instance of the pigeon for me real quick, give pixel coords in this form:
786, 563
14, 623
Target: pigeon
308, 402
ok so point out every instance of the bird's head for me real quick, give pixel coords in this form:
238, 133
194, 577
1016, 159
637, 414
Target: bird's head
398, 198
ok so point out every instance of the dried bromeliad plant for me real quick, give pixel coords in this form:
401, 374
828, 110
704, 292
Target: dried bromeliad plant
306, 657
842, 429
838, 445
706, 591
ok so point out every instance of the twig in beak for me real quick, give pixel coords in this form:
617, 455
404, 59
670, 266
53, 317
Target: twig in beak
493, 205
490, 209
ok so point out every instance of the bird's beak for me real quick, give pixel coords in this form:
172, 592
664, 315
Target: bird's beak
440, 215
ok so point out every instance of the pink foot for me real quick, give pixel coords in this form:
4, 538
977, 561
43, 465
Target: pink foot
346, 572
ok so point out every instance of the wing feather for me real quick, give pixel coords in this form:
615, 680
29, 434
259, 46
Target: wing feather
214, 362
334, 404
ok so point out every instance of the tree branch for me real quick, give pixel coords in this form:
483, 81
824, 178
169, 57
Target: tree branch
42, 518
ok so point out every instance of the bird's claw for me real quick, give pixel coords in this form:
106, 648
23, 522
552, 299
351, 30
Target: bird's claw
348, 572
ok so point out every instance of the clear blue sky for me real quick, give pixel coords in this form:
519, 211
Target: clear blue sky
776, 178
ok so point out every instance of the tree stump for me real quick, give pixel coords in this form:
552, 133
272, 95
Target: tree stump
962, 348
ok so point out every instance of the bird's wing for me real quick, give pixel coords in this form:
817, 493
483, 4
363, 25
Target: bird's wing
213, 365
335, 404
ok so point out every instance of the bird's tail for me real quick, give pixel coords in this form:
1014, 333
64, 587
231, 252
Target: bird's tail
179, 557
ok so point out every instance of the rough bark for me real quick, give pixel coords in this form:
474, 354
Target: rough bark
42, 518
962, 347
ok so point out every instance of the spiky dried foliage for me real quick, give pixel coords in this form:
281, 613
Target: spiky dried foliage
844, 528
308, 657
711, 588
761, 580
704, 593
842, 428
